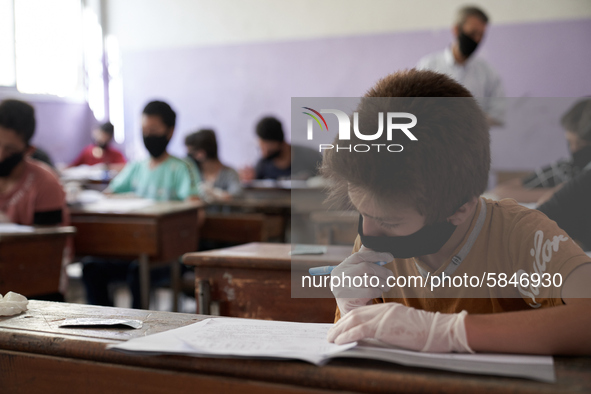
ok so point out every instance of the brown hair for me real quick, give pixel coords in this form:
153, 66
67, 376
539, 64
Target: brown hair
468, 11
442, 170
204, 139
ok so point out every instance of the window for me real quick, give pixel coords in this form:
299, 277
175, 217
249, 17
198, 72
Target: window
48, 46
7, 64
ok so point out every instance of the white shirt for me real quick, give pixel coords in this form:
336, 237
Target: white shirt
476, 75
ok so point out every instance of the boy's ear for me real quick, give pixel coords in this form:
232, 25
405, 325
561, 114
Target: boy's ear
463, 213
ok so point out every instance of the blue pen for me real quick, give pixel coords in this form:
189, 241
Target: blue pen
327, 269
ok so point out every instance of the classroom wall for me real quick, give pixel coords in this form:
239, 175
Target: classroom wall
63, 125
230, 86
161, 24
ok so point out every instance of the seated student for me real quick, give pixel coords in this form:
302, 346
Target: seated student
101, 150
219, 182
30, 192
162, 177
281, 160
577, 125
569, 208
420, 212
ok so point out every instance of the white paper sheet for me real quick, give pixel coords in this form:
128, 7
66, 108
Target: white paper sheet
84, 172
11, 228
307, 341
244, 338
119, 205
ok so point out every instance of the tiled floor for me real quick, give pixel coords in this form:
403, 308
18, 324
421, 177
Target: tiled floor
161, 298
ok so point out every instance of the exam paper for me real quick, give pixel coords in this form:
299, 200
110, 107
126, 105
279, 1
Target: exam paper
119, 205
243, 337
11, 228
520, 366
232, 337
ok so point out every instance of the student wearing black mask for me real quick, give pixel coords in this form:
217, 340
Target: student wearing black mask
30, 192
423, 220
161, 177
543, 182
460, 63
281, 160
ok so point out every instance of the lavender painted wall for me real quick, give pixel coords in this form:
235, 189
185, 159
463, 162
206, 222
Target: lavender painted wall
230, 87
63, 127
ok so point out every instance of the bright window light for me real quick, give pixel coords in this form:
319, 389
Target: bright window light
48, 46
115, 87
93, 60
7, 72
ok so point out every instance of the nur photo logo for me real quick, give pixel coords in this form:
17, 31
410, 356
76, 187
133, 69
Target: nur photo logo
344, 129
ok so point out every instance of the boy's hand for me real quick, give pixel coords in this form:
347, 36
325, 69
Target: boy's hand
405, 327
360, 264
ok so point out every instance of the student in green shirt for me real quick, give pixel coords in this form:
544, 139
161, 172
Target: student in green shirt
162, 177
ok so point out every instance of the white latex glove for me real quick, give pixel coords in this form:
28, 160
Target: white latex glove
360, 264
405, 327
12, 304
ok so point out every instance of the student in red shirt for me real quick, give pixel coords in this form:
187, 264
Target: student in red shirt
30, 191
101, 150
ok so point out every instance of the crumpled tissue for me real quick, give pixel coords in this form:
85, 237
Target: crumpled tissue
12, 304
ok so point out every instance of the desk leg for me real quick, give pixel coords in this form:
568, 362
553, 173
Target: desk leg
175, 273
203, 297
144, 281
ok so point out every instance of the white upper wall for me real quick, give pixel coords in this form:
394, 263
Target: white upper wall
156, 24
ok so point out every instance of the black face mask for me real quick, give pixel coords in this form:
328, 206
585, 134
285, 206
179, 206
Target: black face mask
582, 157
428, 240
467, 44
103, 146
9, 164
156, 145
273, 155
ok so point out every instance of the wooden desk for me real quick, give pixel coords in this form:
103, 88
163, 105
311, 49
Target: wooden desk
255, 281
159, 233
248, 219
38, 356
31, 263
239, 228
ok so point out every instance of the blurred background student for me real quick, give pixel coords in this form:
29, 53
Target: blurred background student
576, 123
30, 192
101, 151
569, 208
218, 181
281, 160
161, 177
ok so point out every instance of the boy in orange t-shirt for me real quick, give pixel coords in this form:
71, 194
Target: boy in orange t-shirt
423, 222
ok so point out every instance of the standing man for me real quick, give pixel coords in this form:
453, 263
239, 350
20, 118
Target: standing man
458, 62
